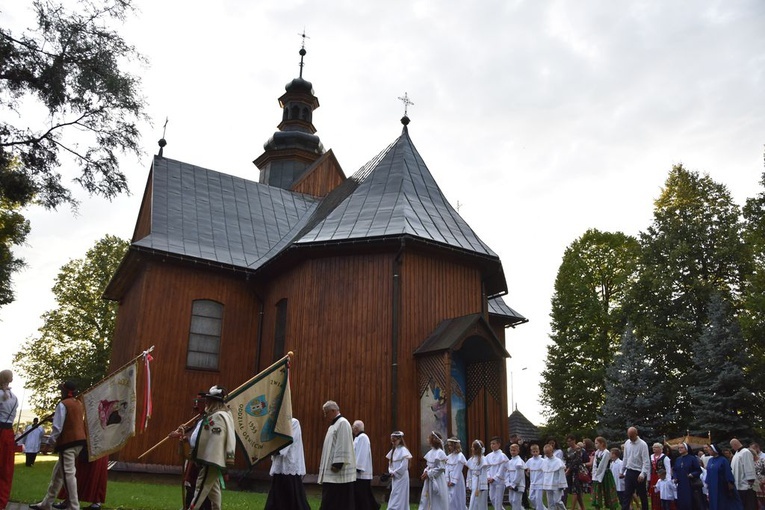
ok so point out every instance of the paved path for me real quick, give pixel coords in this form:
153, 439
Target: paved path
16, 506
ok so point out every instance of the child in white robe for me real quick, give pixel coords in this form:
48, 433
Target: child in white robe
497, 472
478, 479
534, 467
435, 495
398, 469
455, 477
553, 479
666, 489
516, 477
616, 470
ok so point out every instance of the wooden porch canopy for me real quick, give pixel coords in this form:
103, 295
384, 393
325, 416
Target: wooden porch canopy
470, 334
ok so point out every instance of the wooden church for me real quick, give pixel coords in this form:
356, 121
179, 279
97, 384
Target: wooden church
389, 299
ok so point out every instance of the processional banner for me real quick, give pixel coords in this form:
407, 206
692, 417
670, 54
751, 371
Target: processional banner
262, 409
110, 410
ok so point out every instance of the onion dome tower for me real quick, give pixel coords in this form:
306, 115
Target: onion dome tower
294, 147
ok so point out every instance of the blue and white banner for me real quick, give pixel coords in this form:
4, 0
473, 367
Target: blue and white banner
262, 410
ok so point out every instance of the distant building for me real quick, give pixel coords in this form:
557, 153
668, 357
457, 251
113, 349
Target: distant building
389, 299
521, 426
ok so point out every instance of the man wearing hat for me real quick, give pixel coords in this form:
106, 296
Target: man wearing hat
68, 438
213, 444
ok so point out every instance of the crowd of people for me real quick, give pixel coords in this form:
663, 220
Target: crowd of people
536, 476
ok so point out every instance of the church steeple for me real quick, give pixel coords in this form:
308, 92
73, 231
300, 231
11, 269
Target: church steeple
295, 146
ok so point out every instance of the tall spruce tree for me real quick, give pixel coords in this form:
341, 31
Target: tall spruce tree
723, 402
587, 322
633, 392
693, 248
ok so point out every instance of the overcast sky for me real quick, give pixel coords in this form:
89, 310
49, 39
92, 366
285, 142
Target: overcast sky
541, 119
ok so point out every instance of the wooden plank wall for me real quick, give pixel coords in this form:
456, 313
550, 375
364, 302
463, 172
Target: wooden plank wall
339, 326
160, 307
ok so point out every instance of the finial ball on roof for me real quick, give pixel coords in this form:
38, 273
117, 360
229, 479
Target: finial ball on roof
162, 142
405, 120
302, 52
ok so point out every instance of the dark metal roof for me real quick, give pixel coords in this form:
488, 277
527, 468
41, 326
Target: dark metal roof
208, 215
395, 194
498, 307
203, 214
453, 334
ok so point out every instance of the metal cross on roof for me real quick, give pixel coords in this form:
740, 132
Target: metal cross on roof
302, 50
407, 102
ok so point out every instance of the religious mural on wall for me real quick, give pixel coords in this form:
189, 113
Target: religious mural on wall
459, 404
433, 414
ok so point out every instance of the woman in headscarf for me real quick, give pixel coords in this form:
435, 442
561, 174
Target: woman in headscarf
722, 487
687, 474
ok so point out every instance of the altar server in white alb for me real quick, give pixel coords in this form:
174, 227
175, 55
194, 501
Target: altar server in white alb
287, 472
516, 477
362, 488
497, 461
455, 476
398, 469
534, 466
213, 444
553, 479
435, 494
337, 468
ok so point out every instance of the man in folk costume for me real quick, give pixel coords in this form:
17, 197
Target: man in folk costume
337, 469
365, 500
213, 445
68, 436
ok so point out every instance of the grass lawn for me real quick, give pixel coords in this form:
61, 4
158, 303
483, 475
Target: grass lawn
162, 493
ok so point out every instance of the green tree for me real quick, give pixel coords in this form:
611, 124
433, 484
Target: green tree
14, 229
74, 341
753, 308
722, 400
693, 248
632, 396
71, 66
587, 322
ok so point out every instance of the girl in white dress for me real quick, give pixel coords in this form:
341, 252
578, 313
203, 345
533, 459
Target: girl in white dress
478, 479
398, 469
455, 477
435, 495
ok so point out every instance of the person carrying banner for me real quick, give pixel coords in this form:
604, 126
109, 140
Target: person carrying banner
287, 471
213, 445
337, 468
68, 435
190, 468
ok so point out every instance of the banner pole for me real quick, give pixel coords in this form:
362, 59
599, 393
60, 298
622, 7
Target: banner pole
195, 418
289, 354
144, 353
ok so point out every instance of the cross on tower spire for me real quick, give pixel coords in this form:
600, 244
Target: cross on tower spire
407, 102
302, 50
